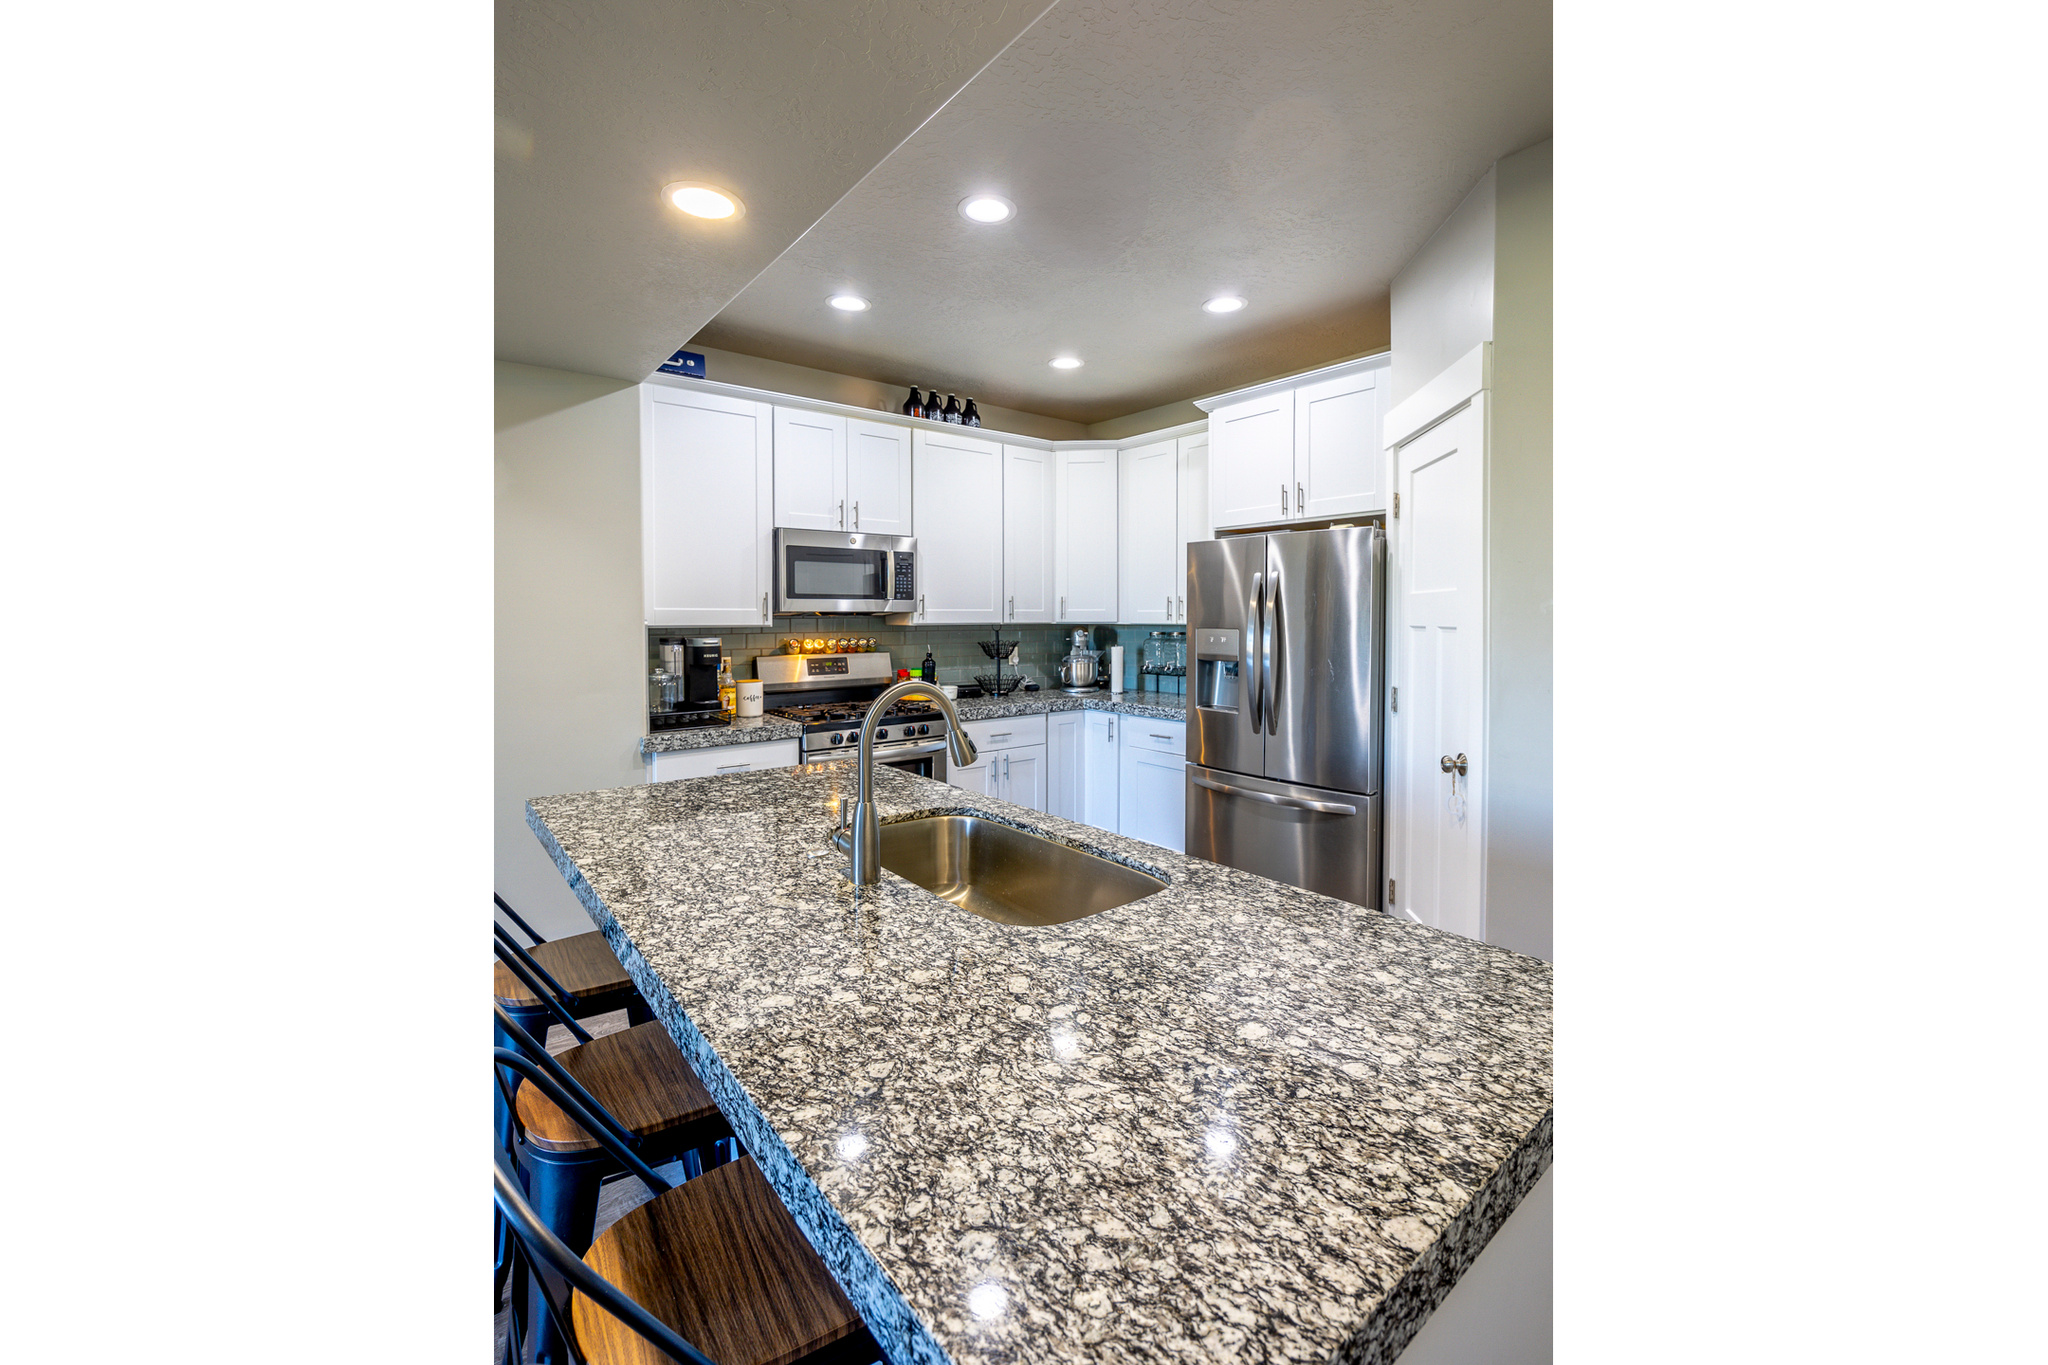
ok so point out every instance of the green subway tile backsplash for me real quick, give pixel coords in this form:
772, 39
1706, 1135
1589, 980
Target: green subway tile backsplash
954, 648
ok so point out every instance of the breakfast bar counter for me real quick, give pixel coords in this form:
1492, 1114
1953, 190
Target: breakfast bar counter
1232, 1120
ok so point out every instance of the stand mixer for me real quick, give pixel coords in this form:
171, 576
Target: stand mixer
1081, 669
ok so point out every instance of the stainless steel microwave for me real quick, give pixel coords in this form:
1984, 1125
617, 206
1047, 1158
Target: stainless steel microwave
844, 571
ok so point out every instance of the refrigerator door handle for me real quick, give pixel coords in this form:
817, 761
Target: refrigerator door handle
1295, 802
1254, 611
1268, 623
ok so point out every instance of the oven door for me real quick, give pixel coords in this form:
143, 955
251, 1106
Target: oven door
833, 571
927, 758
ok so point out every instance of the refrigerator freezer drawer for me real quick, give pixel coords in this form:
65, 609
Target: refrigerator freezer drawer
1321, 840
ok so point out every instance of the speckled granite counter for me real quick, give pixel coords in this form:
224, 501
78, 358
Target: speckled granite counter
1231, 1121
762, 728
753, 730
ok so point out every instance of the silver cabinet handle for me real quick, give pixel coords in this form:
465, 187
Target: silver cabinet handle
1013, 609
1006, 767
856, 514
1283, 499
1300, 504
1454, 765
765, 617
920, 604
1169, 606
1112, 729
1004, 735
1063, 609
1296, 802
842, 512
1167, 738
729, 767
1180, 608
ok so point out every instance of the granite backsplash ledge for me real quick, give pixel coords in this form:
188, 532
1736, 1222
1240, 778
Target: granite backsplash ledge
954, 648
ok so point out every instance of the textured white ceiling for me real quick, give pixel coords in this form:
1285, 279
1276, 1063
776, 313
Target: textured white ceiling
786, 102
1160, 152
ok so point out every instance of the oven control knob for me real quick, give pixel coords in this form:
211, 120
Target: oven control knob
838, 738
924, 729
881, 734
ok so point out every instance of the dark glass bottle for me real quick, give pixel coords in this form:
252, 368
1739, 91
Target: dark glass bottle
913, 406
970, 416
932, 406
929, 670
952, 410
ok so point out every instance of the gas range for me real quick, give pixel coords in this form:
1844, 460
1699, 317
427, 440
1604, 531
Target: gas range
836, 725
829, 695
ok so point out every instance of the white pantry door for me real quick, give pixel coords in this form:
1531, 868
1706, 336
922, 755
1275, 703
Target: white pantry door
1438, 669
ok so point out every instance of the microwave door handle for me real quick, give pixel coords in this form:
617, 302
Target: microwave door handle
1253, 609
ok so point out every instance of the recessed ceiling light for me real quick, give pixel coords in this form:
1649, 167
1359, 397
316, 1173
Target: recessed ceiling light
987, 208
1065, 362
1223, 303
703, 201
848, 303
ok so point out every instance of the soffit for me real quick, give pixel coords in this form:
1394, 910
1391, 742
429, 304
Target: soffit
786, 103
1295, 151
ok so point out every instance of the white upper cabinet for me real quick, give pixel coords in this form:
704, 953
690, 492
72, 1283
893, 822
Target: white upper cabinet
959, 483
1148, 586
1192, 524
1251, 461
1308, 452
810, 470
1085, 536
706, 508
1027, 534
878, 479
839, 474
1338, 465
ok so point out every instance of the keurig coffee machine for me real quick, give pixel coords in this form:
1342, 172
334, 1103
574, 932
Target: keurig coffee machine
696, 661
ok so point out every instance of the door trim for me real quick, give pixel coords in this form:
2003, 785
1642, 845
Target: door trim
1470, 374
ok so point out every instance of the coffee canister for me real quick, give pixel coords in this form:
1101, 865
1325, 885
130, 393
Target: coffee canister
750, 696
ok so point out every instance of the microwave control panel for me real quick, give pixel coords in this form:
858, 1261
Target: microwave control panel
906, 576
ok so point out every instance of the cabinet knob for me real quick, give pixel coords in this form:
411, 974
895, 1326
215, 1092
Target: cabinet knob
1454, 765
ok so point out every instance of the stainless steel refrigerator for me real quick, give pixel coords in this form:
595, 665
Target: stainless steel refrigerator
1288, 636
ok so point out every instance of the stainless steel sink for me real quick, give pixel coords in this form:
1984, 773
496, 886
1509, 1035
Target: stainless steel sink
1001, 873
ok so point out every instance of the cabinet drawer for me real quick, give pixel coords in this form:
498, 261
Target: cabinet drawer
1155, 736
1011, 732
729, 758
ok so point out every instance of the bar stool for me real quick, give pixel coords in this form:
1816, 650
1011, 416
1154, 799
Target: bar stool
633, 1088
581, 970
717, 1260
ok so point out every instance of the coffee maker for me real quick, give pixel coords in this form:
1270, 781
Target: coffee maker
694, 663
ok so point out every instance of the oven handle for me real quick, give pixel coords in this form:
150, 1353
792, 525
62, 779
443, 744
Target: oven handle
885, 752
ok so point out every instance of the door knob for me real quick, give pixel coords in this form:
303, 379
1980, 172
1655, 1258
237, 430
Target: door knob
1454, 765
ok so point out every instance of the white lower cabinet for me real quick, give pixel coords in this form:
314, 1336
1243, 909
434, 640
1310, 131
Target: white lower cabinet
977, 777
727, 758
1063, 758
1098, 768
1151, 781
1010, 762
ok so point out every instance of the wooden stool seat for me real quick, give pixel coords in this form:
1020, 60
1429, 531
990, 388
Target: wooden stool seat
720, 1260
638, 1075
583, 964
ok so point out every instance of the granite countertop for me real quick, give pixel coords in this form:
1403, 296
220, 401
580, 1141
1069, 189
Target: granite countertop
1233, 1120
758, 729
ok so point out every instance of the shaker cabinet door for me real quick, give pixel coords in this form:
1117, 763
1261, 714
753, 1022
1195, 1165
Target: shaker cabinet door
1024, 775
706, 508
878, 478
1085, 539
1064, 757
810, 470
1192, 525
1099, 776
1152, 797
1339, 467
1148, 512
1251, 461
959, 486
1027, 534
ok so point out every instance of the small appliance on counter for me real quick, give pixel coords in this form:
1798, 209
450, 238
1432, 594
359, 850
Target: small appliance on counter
1081, 670
689, 699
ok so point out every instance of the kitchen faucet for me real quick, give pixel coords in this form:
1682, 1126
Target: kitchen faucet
862, 839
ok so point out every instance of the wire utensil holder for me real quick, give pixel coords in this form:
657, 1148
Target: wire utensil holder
995, 684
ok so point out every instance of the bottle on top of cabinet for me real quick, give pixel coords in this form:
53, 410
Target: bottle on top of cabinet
970, 416
951, 412
913, 406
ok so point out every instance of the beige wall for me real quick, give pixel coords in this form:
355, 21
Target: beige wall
570, 649
730, 367
1443, 298
1519, 606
